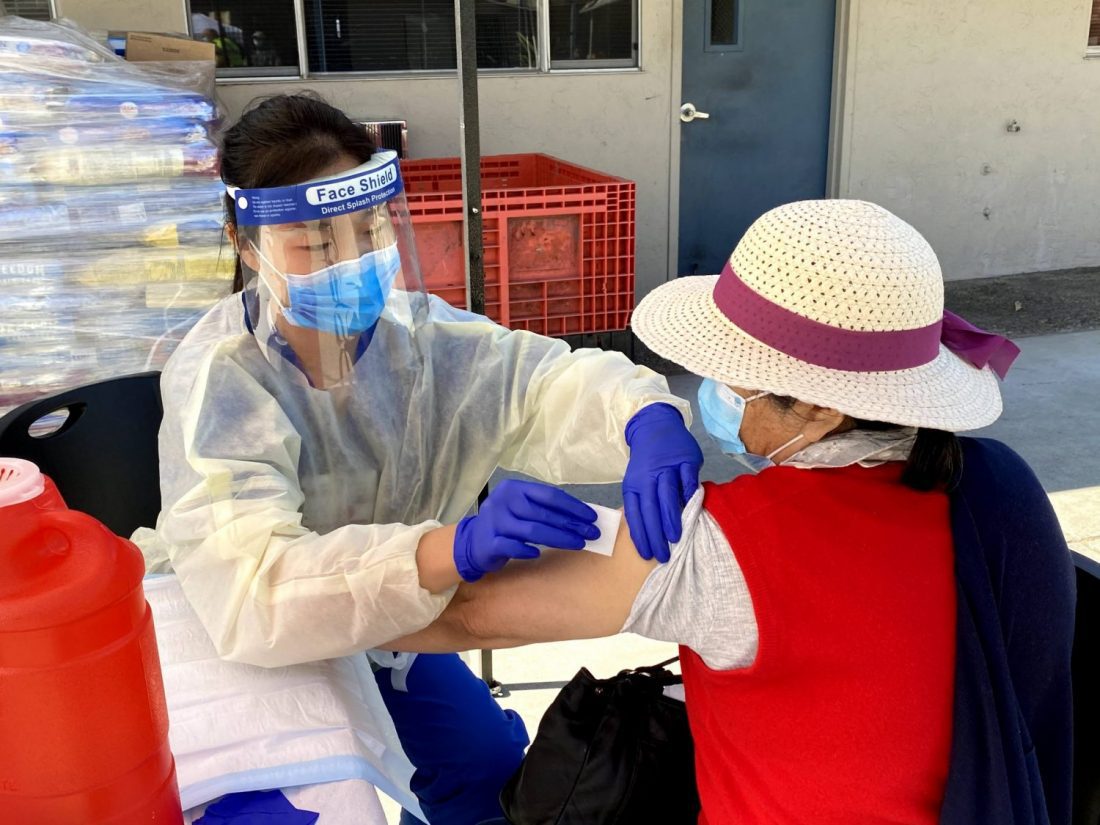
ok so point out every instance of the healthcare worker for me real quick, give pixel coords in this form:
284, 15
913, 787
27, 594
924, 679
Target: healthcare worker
328, 428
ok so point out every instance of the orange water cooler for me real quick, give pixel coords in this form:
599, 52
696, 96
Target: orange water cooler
83, 721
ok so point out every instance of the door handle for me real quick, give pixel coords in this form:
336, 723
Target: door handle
688, 113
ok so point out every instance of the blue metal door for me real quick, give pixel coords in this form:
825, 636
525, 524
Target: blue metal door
757, 83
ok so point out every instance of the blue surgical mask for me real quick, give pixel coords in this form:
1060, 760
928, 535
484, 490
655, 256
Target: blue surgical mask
346, 298
723, 411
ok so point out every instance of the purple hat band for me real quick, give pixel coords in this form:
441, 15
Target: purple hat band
854, 350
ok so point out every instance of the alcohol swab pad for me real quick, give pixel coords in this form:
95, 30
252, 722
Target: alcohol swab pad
607, 521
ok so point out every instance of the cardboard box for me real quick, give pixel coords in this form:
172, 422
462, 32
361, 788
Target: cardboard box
142, 47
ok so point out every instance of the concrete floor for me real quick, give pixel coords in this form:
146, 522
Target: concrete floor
1052, 418
1052, 400
1038, 303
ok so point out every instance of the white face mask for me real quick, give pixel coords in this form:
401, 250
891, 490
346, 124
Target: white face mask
867, 448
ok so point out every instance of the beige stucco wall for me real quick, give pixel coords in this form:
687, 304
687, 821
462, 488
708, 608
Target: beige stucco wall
122, 15
929, 88
925, 91
617, 122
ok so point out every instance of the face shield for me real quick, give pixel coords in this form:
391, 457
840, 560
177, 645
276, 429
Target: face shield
325, 263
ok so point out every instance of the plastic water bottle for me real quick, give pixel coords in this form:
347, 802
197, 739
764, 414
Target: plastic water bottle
83, 721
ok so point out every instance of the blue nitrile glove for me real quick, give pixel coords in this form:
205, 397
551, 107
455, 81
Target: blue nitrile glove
661, 477
256, 808
516, 516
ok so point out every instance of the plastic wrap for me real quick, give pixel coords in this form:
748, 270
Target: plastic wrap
111, 221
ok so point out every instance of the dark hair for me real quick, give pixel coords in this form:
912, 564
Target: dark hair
282, 140
934, 462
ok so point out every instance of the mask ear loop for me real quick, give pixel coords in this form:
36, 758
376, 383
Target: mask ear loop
780, 449
259, 273
777, 451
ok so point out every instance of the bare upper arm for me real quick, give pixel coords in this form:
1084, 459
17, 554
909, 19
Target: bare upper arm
562, 595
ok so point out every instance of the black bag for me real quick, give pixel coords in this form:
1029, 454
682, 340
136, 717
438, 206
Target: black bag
608, 751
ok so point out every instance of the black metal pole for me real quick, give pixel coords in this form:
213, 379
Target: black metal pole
470, 151
469, 130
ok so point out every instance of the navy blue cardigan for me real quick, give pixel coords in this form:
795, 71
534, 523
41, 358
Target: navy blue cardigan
1011, 754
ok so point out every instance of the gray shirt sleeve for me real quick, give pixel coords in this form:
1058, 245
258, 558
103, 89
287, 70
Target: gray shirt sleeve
699, 598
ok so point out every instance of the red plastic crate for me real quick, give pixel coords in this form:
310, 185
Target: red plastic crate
559, 241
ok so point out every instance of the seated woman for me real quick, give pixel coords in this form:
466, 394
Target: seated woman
876, 622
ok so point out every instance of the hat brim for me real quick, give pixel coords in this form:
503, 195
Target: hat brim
680, 322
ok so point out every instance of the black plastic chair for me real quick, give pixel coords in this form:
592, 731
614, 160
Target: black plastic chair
104, 457
1086, 694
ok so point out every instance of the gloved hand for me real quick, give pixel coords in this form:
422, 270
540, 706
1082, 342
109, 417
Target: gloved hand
516, 516
661, 477
256, 808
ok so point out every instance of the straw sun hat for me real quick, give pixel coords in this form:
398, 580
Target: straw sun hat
837, 303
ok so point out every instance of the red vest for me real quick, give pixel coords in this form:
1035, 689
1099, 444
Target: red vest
845, 716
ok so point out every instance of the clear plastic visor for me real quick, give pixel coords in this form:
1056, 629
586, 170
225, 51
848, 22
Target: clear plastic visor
325, 262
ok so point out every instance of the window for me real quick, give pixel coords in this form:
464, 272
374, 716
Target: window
401, 36
250, 39
416, 35
722, 25
593, 33
1094, 27
31, 9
